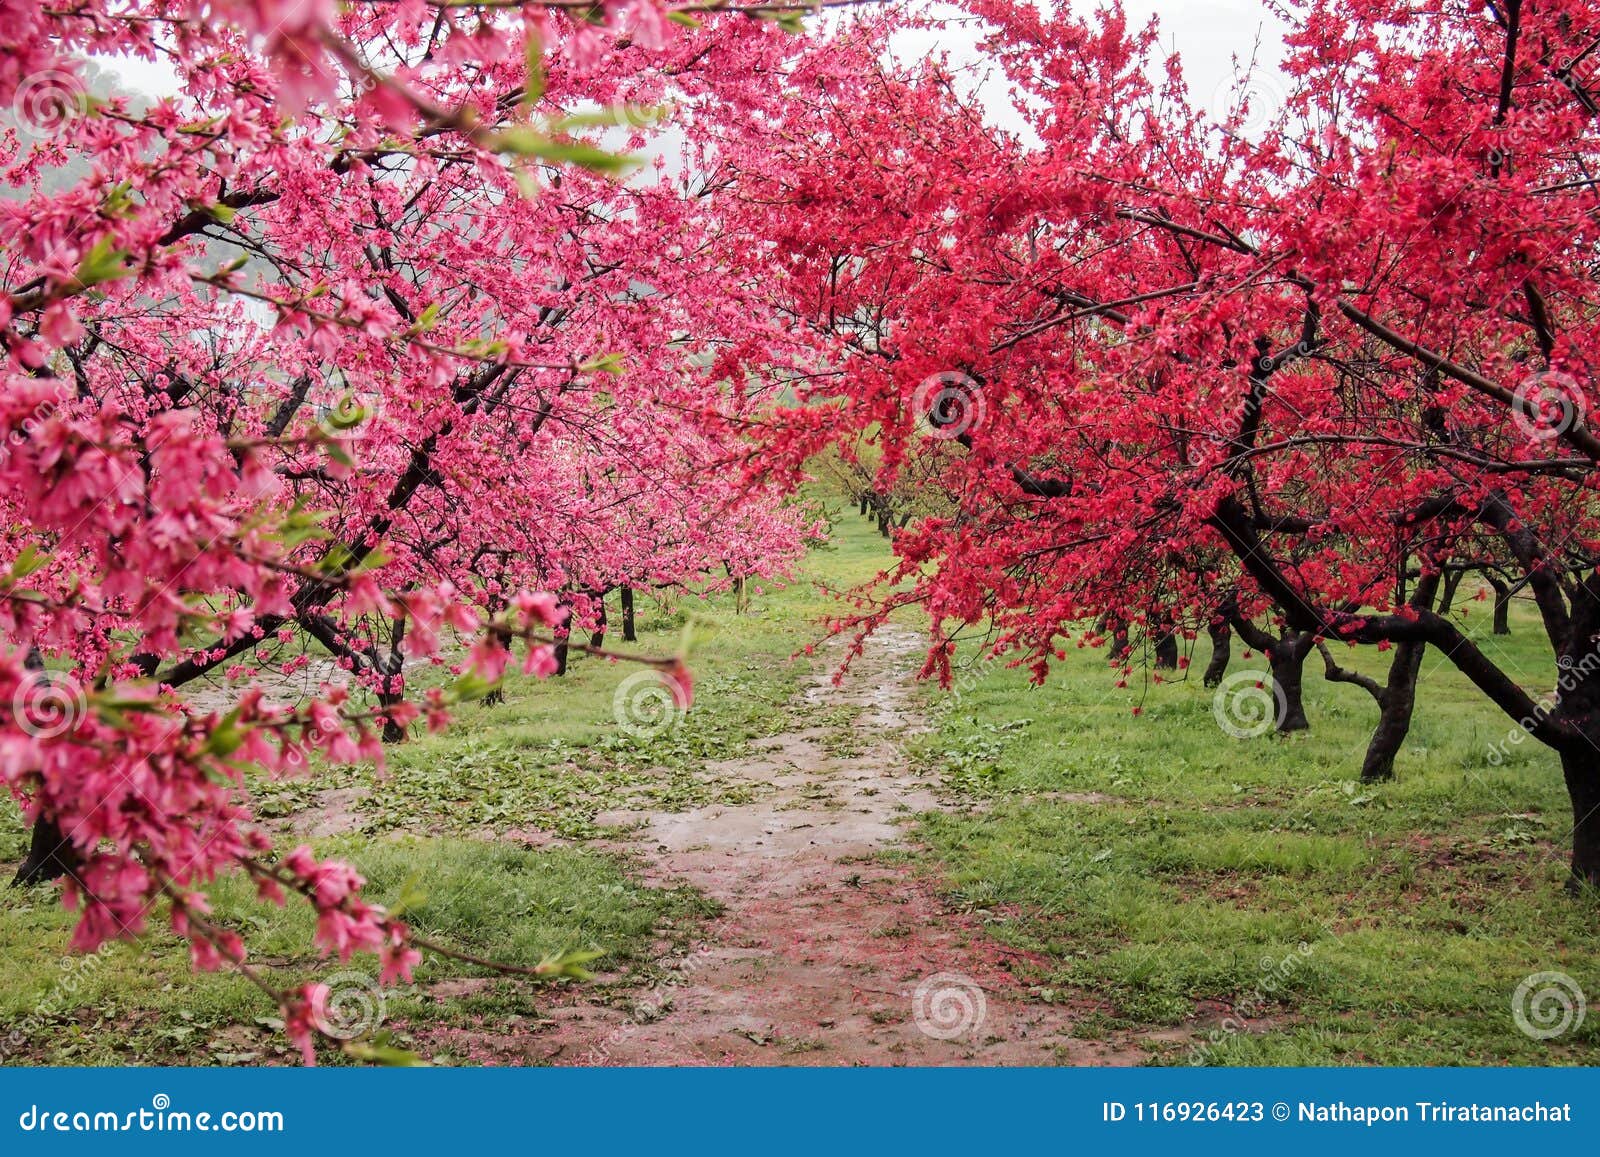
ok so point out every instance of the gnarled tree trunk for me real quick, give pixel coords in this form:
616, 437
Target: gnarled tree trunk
1221, 651
1502, 606
597, 637
1396, 699
1165, 647
1286, 658
563, 636
628, 633
51, 854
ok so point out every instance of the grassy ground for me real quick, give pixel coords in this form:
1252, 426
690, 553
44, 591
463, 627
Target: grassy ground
1175, 871
1161, 872
461, 820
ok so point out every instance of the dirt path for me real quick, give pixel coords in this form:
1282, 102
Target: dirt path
824, 954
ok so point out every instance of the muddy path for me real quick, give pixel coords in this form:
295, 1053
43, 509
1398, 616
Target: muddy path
825, 954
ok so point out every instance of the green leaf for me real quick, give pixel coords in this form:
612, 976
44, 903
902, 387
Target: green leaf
524, 141
568, 964
790, 20
472, 685
426, 319
30, 560
227, 737
602, 364
105, 262
391, 1056
411, 895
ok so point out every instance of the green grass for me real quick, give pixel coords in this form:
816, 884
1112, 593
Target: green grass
141, 1003
1171, 870
453, 812
1154, 865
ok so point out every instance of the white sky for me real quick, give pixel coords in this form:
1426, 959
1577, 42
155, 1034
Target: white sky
1207, 34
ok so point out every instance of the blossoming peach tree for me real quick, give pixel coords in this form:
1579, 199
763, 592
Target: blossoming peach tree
1295, 363
366, 335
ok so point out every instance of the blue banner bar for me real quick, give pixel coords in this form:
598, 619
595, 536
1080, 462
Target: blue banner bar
744, 1111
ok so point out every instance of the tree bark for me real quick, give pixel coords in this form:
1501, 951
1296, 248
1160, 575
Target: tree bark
628, 633
1287, 659
1502, 606
1117, 628
1397, 699
497, 696
392, 692
1395, 707
597, 637
1447, 596
1165, 648
51, 855
1580, 765
1221, 651
563, 637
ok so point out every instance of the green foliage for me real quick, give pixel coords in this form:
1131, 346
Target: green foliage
1169, 869
557, 909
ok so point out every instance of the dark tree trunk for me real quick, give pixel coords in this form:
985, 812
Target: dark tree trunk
1502, 606
628, 635
1452, 583
1221, 651
597, 637
1117, 629
1396, 704
392, 690
50, 855
1397, 698
1287, 659
1166, 649
497, 695
1578, 708
392, 731
1580, 765
563, 636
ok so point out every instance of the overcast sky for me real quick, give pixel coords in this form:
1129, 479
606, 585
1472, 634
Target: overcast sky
1208, 34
